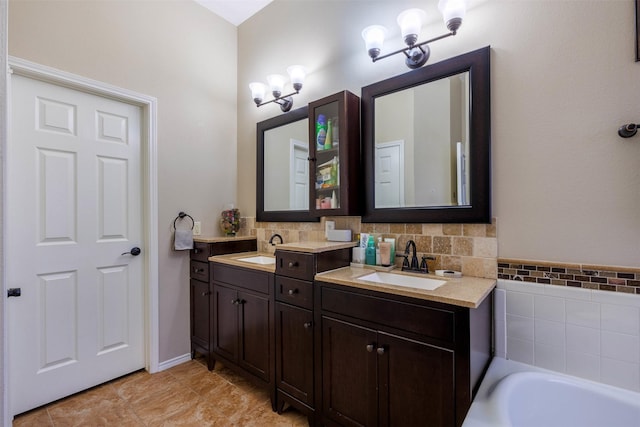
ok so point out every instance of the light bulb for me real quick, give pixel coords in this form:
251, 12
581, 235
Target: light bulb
276, 84
453, 12
373, 37
257, 92
410, 22
297, 73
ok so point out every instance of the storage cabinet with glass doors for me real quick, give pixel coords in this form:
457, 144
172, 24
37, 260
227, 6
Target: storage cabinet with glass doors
334, 154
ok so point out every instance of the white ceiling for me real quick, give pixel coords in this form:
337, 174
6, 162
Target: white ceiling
234, 11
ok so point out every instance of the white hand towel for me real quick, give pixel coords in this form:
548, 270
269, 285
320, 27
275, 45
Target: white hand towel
183, 240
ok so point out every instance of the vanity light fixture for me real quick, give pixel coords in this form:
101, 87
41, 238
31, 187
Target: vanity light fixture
410, 22
276, 83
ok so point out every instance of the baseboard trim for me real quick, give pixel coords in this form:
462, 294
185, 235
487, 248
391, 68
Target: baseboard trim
162, 366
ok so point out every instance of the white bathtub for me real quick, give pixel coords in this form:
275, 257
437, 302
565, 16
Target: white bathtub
514, 394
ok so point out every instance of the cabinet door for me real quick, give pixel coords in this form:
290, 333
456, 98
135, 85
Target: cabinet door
349, 379
254, 336
225, 321
334, 130
294, 352
200, 304
416, 383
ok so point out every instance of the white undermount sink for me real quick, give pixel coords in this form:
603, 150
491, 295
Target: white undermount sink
402, 280
264, 260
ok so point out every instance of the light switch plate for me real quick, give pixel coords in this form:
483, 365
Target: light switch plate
197, 228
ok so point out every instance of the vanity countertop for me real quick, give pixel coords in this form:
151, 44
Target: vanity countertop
465, 291
315, 247
233, 259
217, 239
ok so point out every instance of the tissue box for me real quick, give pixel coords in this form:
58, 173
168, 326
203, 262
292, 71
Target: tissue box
339, 235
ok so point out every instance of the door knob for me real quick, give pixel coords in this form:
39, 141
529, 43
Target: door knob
135, 251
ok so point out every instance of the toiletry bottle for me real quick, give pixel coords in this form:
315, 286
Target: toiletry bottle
321, 132
378, 259
334, 200
329, 137
334, 171
370, 252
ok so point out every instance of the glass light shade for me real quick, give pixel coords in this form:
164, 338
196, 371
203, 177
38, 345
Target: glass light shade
410, 22
276, 84
373, 37
452, 9
257, 91
297, 73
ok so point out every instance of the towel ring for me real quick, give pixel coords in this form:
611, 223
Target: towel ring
181, 215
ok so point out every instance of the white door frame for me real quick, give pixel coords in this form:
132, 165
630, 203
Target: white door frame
294, 145
400, 144
148, 106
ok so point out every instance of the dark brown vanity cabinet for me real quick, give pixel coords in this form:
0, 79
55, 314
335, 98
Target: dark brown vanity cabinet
334, 142
397, 361
243, 322
296, 335
201, 292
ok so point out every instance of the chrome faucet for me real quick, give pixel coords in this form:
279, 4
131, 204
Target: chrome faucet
273, 237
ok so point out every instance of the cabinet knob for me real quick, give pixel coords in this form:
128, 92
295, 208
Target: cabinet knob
235, 301
204, 294
380, 350
293, 291
370, 348
293, 264
307, 325
198, 270
196, 251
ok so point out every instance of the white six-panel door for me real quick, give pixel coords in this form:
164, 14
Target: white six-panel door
74, 210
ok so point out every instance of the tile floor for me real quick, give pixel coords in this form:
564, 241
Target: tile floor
185, 395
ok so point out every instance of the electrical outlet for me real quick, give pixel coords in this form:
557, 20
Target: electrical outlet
329, 225
197, 228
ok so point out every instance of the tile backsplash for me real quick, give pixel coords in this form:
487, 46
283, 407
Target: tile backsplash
470, 248
584, 332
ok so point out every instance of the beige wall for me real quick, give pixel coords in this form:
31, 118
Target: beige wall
565, 187
185, 56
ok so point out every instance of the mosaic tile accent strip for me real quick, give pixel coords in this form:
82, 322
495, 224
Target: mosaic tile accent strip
604, 278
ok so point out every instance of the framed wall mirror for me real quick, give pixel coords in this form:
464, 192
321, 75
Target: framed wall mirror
282, 188
427, 143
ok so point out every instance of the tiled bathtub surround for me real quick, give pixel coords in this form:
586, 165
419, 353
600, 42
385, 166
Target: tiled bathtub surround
470, 248
604, 278
588, 333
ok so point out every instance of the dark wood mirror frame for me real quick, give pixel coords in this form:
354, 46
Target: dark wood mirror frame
276, 216
477, 63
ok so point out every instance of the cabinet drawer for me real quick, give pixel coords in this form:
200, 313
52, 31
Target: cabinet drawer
258, 281
199, 270
298, 265
200, 251
294, 292
427, 321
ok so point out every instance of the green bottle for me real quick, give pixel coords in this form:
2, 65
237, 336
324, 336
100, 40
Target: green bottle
328, 141
370, 251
